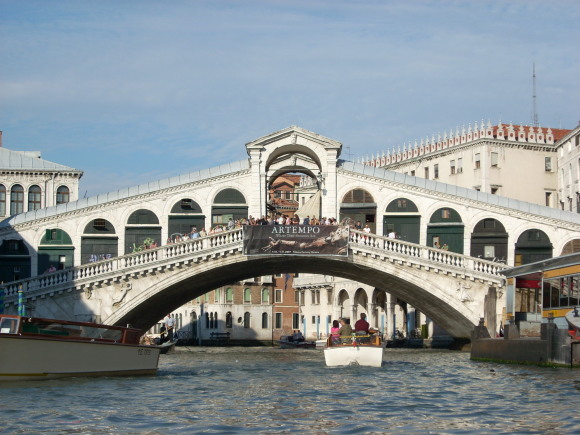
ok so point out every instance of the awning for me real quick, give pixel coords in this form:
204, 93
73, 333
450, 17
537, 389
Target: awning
310, 208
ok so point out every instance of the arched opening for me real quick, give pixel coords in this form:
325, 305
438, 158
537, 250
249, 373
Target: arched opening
402, 220
99, 241
489, 240
532, 245
571, 247
228, 204
358, 205
446, 230
185, 215
55, 252
344, 303
14, 260
142, 231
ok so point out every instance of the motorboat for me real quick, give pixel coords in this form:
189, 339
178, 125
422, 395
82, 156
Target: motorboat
288, 342
363, 350
36, 348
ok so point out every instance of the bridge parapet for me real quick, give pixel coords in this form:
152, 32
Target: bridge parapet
215, 245
428, 256
115, 268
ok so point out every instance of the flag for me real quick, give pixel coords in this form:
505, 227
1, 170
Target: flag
286, 279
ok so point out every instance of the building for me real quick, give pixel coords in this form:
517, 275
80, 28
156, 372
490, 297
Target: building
492, 159
28, 183
568, 150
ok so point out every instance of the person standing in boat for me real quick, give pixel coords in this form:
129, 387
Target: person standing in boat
361, 324
169, 325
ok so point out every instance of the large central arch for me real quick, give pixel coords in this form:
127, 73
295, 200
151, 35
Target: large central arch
171, 291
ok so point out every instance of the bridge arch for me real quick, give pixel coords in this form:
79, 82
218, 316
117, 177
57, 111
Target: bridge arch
165, 293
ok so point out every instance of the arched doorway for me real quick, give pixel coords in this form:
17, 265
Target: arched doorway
402, 217
99, 241
489, 240
359, 206
446, 230
532, 245
142, 225
56, 250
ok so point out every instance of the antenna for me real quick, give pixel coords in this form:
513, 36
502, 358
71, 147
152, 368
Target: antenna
535, 122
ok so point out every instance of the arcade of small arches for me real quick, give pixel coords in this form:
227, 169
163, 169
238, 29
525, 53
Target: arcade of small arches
402, 218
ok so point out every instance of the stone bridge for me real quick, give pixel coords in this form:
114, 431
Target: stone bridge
138, 289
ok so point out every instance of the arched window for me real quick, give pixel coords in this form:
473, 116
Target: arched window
265, 296
229, 295
247, 296
229, 319
34, 198
264, 320
2, 200
62, 195
206, 320
211, 321
16, 199
246, 319
215, 320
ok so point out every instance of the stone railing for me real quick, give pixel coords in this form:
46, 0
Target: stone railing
215, 243
51, 282
445, 259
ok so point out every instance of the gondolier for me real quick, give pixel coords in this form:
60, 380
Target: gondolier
169, 325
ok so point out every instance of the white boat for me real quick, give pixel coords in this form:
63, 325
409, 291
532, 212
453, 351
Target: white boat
287, 342
34, 348
363, 350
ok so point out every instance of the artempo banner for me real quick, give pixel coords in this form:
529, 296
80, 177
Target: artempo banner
296, 240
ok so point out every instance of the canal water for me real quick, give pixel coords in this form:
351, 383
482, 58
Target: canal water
267, 390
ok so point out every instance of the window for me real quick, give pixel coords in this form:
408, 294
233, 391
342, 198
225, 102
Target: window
229, 295
216, 296
489, 251
100, 223
62, 195
2, 200
436, 171
494, 159
246, 319
264, 320
427, 172
247, 296
278, 295
314, 320
295, 321
34, 198
265, 296
459, 165
452, 166
278, 317
206, 298
445, 213
229, 319
16, 199
297, 297
402, 203
494, 190
477, 161
548, 199
413, 172
548, 164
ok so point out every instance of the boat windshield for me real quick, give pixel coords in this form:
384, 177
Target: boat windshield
9, 325
70, 330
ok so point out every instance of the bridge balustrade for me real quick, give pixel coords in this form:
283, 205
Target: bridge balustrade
60, 280
35, 286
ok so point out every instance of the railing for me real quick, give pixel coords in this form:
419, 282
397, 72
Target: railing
100, 268
433, 255
158, 255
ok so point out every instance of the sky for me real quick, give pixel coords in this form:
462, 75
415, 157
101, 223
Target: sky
132, 91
